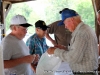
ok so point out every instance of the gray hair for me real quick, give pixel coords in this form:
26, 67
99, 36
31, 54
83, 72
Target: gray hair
12, 26
77, 17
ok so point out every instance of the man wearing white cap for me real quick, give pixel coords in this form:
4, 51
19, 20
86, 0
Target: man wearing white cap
82, 54
15, 53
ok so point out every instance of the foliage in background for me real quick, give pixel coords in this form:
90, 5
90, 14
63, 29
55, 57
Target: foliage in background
48, 10
85, 9
21, 8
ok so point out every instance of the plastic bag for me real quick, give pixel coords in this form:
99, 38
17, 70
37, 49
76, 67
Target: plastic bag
48, 64
64, 69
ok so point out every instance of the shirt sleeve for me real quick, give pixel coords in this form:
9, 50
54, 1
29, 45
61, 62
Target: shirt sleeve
30, 44
75, 51
7, 50
45, 44
53, 27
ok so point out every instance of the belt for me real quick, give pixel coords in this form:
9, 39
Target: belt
96, 70
86, 72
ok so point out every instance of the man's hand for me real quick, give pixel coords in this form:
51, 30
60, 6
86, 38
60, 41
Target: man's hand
61, 46
35, 62
37, 58
51, 50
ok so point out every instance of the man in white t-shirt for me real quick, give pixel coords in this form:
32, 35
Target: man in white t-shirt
16, 55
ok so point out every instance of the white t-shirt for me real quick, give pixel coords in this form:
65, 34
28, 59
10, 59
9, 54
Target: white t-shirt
14, 48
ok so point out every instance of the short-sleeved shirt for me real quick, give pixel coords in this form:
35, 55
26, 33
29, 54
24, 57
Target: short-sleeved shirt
36, 45
61, 34
14, 48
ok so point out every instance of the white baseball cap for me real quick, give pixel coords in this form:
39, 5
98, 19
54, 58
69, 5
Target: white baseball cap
20, 20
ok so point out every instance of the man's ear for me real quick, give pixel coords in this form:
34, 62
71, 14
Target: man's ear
36, 29
15, 27
72, 18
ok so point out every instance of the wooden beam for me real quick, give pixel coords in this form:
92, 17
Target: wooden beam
96, 6
18, 1
2, 20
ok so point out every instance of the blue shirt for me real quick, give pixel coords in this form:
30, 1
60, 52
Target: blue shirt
36, 45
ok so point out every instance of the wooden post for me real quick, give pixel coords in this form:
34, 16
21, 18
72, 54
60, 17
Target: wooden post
97, 2
2, 19
96, 5
1, 52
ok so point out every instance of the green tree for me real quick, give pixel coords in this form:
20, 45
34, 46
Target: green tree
52, 8
48, 10
87, 12
85, 9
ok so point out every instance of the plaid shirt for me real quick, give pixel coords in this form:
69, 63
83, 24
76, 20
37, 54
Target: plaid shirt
36, 45
83, 50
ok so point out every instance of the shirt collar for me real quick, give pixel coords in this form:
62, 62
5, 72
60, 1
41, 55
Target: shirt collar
39, 38
77, 28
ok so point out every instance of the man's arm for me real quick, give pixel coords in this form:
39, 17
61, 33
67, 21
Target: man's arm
75, 54
34, 64
50, 39
18, 61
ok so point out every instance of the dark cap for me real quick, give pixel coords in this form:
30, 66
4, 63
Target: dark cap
67, 13
41, 24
